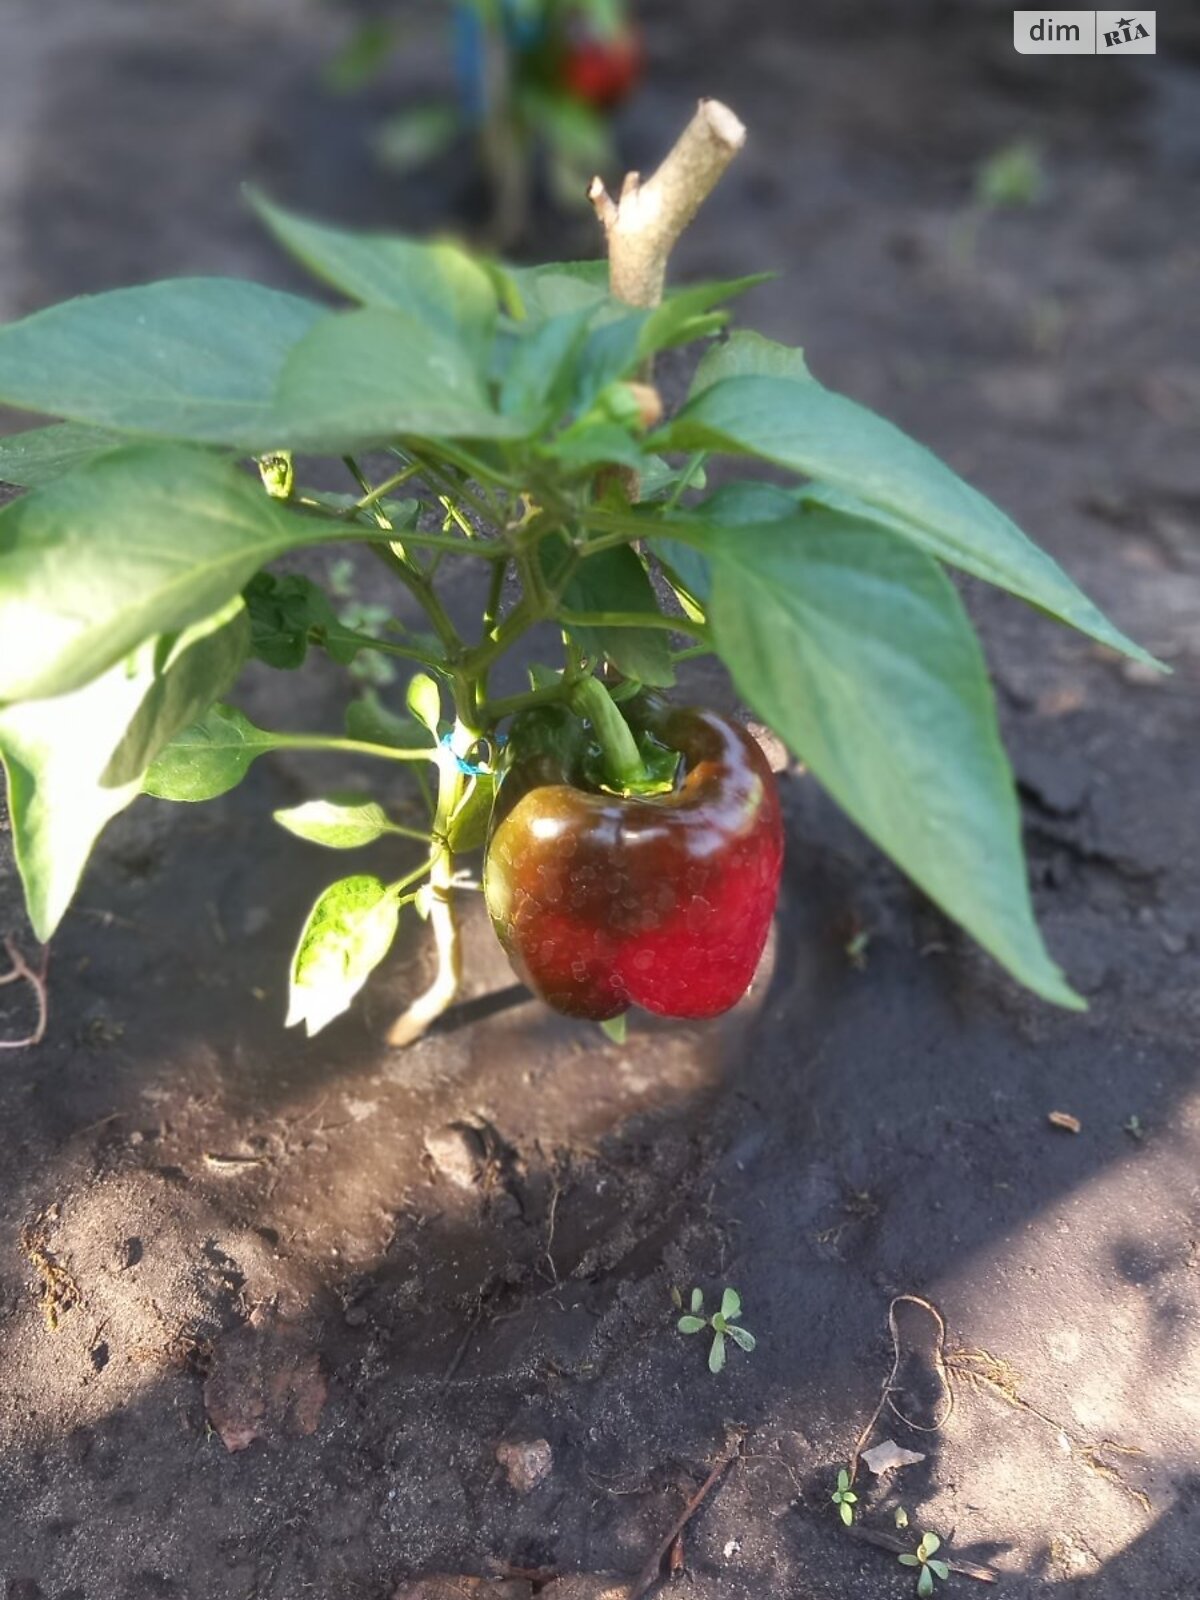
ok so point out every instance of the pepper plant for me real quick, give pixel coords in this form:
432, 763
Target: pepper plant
537, 81
504, 418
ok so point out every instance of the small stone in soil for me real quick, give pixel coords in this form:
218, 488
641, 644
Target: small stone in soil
456, 1153
526, 1462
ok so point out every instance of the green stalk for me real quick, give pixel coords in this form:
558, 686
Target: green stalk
356, 747
622, 759
442, 920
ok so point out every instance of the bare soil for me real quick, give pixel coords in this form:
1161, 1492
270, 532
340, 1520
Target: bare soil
369, 1269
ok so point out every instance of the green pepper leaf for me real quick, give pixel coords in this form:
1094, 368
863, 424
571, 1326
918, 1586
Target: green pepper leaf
686, 568
615, 580
143, 541
365, 377
437, 283
40, 455
468, 828
560, 286
371, 721
348, 932
208, 757
339, 821
539, 372
425, 701
285, 612
855, 648
194, 358
747, 354
681, 316
811, 430
75, 761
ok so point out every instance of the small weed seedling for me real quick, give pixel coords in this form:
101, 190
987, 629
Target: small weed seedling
844, 1497
924, 1560
722, 1324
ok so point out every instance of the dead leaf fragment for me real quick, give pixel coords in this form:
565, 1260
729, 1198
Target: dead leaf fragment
889, 1455
1065, 1121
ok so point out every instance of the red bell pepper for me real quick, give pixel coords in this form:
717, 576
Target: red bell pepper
603, 72
604, 900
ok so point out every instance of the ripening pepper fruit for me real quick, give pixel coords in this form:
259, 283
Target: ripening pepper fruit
665, 900
602, 72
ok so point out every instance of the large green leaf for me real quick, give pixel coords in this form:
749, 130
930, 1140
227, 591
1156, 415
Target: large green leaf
192, 358
686, 567
854, 646
75, 761
560, 286
40, 455
208, 757
682, 315
370, 720
615, 580
538, 374
287, 613
435, 282
364, 377
348, 932
811, 430
142, 541
746, 354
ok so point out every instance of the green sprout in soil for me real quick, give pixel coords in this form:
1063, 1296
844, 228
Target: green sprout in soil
722, 1323
1013, 176
844, 1497
923, 1559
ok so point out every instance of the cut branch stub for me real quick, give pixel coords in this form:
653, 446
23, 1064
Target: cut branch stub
643, 225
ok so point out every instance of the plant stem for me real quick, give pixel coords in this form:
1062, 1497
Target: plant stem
684, 481
633, 619
495, 590
622, 759
381, 490
357, 747
442, 920
394, 557
493, 711
367, 641
643, 224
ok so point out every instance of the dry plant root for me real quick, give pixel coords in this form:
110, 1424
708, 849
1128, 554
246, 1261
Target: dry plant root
35, 977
